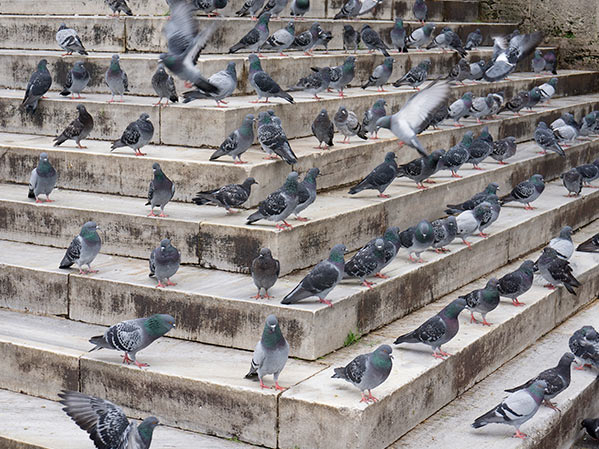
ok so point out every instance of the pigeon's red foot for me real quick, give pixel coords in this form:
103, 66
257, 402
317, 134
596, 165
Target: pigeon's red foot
455, 175
267, 296
159, 103
264, 386
256, 296
367, 283
467, 243
287, 225
551, 405
81, 147
382, 195
298, 218
442, 250
529, 207
141, 365
240, 162
168, 282
472, 319
549, 286
126, 359
476, 167
139, 153
517, 303
160, 285
486, 323
233, 211
421, 187
458, 125
430, 181
39, 201
483, 235
152, 214
582, 367
162, 214
502, 163
92, 271
519, 434
325, 301
371, 397
381, 276
278, 387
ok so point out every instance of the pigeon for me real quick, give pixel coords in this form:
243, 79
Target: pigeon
372, 115
38, 85
481, 148
160, 192
481, 107
517, 282
349, 10
584, 345
498, 100
116, 79
323, 38
250, 7
503, 149
460, 72
380, 75
460, 108
550, 62
590, 245
348, 124
562, 244
470, 221
68, 40
225, 82
572, 180
305, 41
448, 39
369, 5
83, 249
210, 6
351, 38
591, 426
366, 262
314, 83
416, 239
265, 272
306, 193
476, 70
78, 129
457, 155
299, 7
537, 62
398, 36
256, 37
438, 115
474, 40
263, 84
164, 263
42, 180
483, 301
238, 142
488, 220
323, 129
516, 409
437, 330
323, 278
415, 76
119, 6
588, 125
510, 53
526, 191
422, 168
372, 40
281, 39
416, 114
566, 134
564, 120
420, 10
278, 205
106, 423
392, 246
445, 231
367, 371
137, 135
517, 103
420, 37
556, 271
534, 97
477, 199
342, 75
556, 378
274, 7
548, 90
270, 355
272, 139
164, 86
545, 138
231, 195
379, 178
77, 80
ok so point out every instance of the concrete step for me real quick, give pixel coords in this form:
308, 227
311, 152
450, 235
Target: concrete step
144, 34
546, 429
178, 124
35, 423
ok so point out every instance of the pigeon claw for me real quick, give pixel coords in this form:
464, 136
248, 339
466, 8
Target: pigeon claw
529, 207
381, 276
467, 243
278, 387
266, 387
430, 181
168, 282
141, 365
233, 211
256, 296
455, 175
126, 359
472, 319
519, 434
162, 214
483, 235
486, 323
298, 218
551, 405
152, 214
549, 286
421, 186
517, 303
382, 195
367, 283
325, 301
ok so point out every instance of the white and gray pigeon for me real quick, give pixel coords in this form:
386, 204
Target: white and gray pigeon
119, 6
367, 371
420, 37
42, 180
299, 8
160, 191
563, 244
517, 282
445, 231
371, 117
281, 39
526, 191
250, 7
314, 83
491, 216
415, 76
420, 10
515, 409
481, 107
263, 84
231, 195
421, 168
69, 41
349, 10
366, 262
238, 142
279, 205
483, 301
137, 135
372, 40
39, 83
77, 80
470, 221
255, 38
572, 181
132, 336
557, 271
379, 178
83, 249
347, 123
78, 129
321, 280
438, 330
546, 139
460, 108
323, 129
265, 271
476, 70
306, 193
225, 82
481, 148
548, 90
272, 139
380, 75
417, 239
164, 263
274, 7
369, 5
270, 355
164, 86
116, 79
510, 53
106, 423
398, 36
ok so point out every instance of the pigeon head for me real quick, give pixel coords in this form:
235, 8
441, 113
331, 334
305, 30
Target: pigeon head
349, 63
381, 357
538, 54
146, 429
566, 359
159, 324
249, 119
384, 122
265, 252
553, 82
78, 66
482, 63
42, 64
231, 69
492, 283
167, 59
492, 188
145, 116
114, 62
342, 113
388, 62
379, 104
542, 125
537, 390
428, 29
44, 157
550, 253
272, 336
254, 62
315, 29
467, 97
347, 28
489, 101
535, 93
425, 64
379, 246
452, 224
165, 244
467, 139
392, 234
271, 112
398, 24
160, 68
89, 231
588, 332
566, 233
454, 308
485, 133
263, 19
156, 167
537, 179
291, 182
312, 175
249, 182
365, 27
527, 267
436, 155
423, 231
390, 156
323, 113
337, 253
264, 118
62, 26
290, 27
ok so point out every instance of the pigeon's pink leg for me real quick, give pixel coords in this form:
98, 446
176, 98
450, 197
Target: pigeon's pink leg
582, 367
161, 285
517, 303
382, 195
287, 225
267, 296
159, 102
486, 323
472, 319
168, 282
529, 207
364, 398
455, 175
467, 243
298, 218
421, 186
256, 296
81, 146
141, 365
278, 387
430, 181
381, 276
551, 405
264, 386
151, 214
549, 286
519, 434
368, 284
126, 359
483, 235
476, 167
162, 214
233, 212
371, 397
325, 301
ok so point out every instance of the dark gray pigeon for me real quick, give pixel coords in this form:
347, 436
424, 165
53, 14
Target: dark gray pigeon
351, 38
323, 129
263, 84
255, 38
307, 40
445, 231
231, 195
238, 142
160, 192
265, 272
392, 246
272, 139
417, 239
342, 75
349, 10
116, 79
164, 86
106, 424
281, 39
420, 10
366, 262
372, 40
483, 301
477, 199
323, 278
299, 8
119, 6
77, 80
380, 75
69, 41
545, 138
550, 62
422, 168
38, 85
517, 103
474, 40
481, 148
270, 355
250, 7
132, 336
278, 205
398, 36
137, 135
457, 155
314, 83
83, 249
164, 263
347, 123
209, 7
78, 129
371, 117
556, 271
503, 149
590, 245
517, 282
572, 180
306, 193
415, 76
420, 37
448, 39
526, 192
367, 371
438, 330
379, 178
584, 344
460, 72
42, 180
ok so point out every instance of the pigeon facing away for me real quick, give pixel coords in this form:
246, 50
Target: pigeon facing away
38, 85
517, 282
516, 409
164, 263
116, 79
420, 10
225, 82
119, 6
590, 245
69, 41
503, 149
272, 139
278, 205
255, 38
415, 76
481, 107
379, 178
281, 39
398, 36
526, 192
270, 355
474, 40
366, 262
416, 239
420, 37
445, 231
563, 244
548, 90
77, 80
164, 86
250, 7
42, 180
299, 8
321, 280
306, 193
476, 70
132, 336
83, 249
545, 138
438, 330
349, 10
323, 129
372, 40
483, 301
137, 135
106, 423
550, 62
78, 129
372, 115
557, 271
231, 195
238, 142
477, 199
584, 345
265, 272
347, 123
263, 84
351, 38
160, 192
307, 40
367, 371
572, 180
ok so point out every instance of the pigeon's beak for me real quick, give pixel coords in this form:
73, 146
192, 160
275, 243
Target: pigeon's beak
174, 325
98, 228
272, 328
391, 356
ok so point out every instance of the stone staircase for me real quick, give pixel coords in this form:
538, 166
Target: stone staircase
195, 383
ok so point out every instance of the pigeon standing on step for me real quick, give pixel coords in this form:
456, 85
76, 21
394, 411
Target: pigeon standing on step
391, 247
498, 101
69, 41
164, 263
371, 117
307, 40
584, 344
420, 37
481, 148
349, 10
415, 76
590, 245
517, 103
366, 262
160, 192
270, 355
77, 80
476, 70
42, 180
474, 201
106, 423
460, 108
137, 135
420, 10
379, 178
367, 371
78, 129
417, 239
314, 83
572, 180
537, 62
474, 40
588, 123
278, 205
164, 86
557, 271
209, 7
517, 282
351, 38
548, 90
422, 168
116, 79
516, 409
398, 36
231, 195
380, 75
323, 129
483, 301
38, 85
342, 75
263, 84
83, 249
445, 231
545, 138
119, 6
281, 39
481, 107
372, 40
550, 62
470, 221
448, 39
347, 123
272, 139
323, 38
306, 193
238, 142
255, 38
321, 280
274, 7
265, 272
460, 72
526, 191
456, 156
250, 7
438, 330
504, 149
299, 8
563, 244
225, 82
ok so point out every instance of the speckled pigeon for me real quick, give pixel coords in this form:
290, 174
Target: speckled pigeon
270, 355
392, 246
265, 272
238, 142
231, 195
483, 301
77, 80
78, 129
415, 76
209, 7
119, 6
474, 201
278, 205
372, 40
503, 149
366, 262
250, 7
263, 84
517, 282
274, 7
38, 85
457, 155
584, 343
380, 75
314, 83
347, 123
137, 135
445, 231
526, 191
307, 40
379, 178
83, 249
556, 271
42, 180
69, 41
272, 139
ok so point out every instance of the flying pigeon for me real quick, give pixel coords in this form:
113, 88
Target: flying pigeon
503, 149
68, 40
421, 168
590, 245
398, 36
209, 7
274, 7
537, 62
351, 38
483, 301
306, 193
281, 39
556, 271
347, 123
255, 38
119, 6
379, 178
477, 199
392, 246
164, 263
38, 85
517, 282
420, 10
137, 135
164, 86
349, 10
263, 84
415, 76
545, 138
83, 249
526, 191
460, 108
231, 195
272, 139
314, 83
416, 239
278, 205
445, 231
250, 7
572, 180
420, 37
372, 40
270, 355
366, 262
265, 272
116, 79
510, 53
225, 82
78, 129
372, 115
160, 192
42, 180
307, 40
77, 80
238, 142
299, 8
457, 155
474, 40
548, 90
584, 344
323, 129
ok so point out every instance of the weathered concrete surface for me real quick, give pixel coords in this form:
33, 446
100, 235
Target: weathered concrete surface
35, 423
